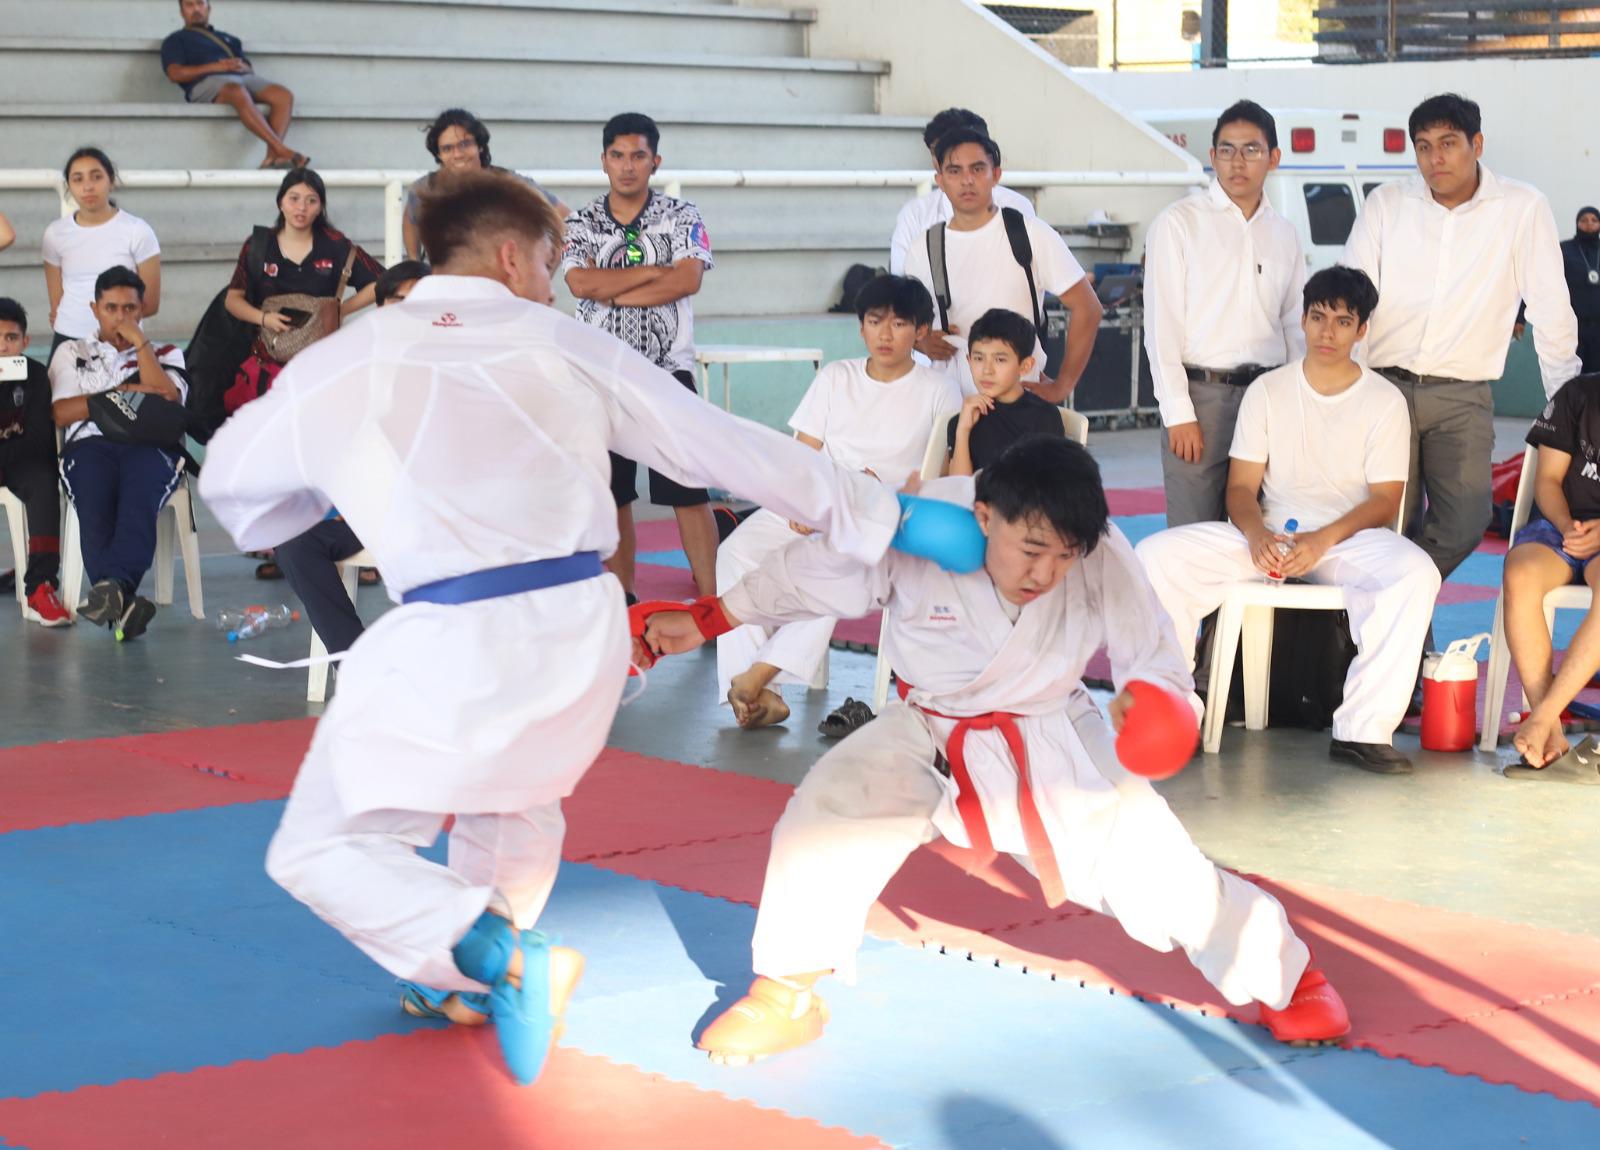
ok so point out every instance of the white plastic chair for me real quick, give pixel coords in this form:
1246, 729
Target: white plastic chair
1077, 429
17, 523
174, 521
350, 575
1575, 597
1245, 619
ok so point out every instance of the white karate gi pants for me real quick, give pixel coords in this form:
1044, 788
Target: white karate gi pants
1389, 585
361, 874
796, 649
868, 803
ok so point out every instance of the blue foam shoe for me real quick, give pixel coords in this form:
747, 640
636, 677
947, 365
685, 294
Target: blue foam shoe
425, 1002
522, 1018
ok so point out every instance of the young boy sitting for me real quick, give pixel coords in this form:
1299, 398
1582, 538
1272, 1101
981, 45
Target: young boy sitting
996, 745
873, 414
1550, 552
1325, 442
1000, 352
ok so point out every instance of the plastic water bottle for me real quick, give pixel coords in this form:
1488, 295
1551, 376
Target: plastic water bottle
1284, 548
255, 620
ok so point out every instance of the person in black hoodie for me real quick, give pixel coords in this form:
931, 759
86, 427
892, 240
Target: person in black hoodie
1581, 259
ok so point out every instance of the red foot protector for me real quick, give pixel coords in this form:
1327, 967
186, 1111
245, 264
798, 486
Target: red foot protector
1159, 732
58, 784
427, 1088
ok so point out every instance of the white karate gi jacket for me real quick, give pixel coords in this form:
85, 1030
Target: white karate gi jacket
466, 429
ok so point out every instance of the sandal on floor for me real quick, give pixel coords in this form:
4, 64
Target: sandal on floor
268, 570
368, 577
1581, 765
850, 716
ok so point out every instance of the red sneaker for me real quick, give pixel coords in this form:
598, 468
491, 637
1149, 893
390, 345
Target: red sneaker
46, 607
1315, 1013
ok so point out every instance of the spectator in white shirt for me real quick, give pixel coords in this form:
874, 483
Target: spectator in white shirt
1452, 252
1321, 441
983, 271
99, 235
1223, 279
922, 213
118, 488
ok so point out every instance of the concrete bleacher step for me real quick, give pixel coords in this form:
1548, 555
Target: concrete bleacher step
631, 27
664, 82
172, 134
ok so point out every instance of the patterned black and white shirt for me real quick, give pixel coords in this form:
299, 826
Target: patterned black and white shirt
666, 231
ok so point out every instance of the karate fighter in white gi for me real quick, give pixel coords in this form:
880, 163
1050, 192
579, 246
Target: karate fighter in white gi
463, 435
996, 746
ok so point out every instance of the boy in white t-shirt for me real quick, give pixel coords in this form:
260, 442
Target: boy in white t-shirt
874, 414
983, 271
1324, 442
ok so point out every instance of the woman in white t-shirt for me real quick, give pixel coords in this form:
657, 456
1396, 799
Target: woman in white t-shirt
99, 235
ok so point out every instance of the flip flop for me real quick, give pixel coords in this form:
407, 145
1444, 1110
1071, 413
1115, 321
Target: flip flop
268, 571
1580, 765
850, 716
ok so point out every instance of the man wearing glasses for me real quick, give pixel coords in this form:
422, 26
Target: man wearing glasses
633, 258
1223, 279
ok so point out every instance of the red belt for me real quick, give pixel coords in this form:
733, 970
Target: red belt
970, 807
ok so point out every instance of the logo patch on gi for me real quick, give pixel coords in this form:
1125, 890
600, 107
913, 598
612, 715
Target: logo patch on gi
942, 614
448, 319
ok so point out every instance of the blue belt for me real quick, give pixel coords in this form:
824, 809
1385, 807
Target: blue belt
498, 582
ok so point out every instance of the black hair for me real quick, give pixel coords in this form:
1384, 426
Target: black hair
1015, 331
462, 209
99, 157
118, 277
903, 295
631, 124
947, 121
954, 138
293, 178
467, 122
1446, 111
13, 312
1247, 112
404, 272
1052, 478
1338, 284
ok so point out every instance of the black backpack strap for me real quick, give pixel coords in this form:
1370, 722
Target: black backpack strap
940, 274
1022, 251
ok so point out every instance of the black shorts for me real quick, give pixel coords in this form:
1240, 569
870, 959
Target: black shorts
664, 492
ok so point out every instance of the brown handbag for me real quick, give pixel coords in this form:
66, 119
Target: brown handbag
312, 316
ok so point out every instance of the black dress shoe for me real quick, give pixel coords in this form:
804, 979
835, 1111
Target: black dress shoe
1379, 758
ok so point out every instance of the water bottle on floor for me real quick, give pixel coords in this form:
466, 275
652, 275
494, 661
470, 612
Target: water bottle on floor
1289, 528
254, 620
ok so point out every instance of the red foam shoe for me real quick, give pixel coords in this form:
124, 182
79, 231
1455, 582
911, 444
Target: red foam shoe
1315, 1012
47, 608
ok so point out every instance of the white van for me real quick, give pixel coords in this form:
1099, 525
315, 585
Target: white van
1331, 162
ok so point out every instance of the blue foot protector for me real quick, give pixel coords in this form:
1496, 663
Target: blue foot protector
522, 1019
425, 1002
484, 952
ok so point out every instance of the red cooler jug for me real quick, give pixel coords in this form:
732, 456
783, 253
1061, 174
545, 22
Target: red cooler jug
1450, 696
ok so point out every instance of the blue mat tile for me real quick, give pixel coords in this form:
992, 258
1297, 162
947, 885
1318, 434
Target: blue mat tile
664, 559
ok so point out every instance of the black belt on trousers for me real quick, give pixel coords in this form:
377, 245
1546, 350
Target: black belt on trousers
1405, 376
1241, 376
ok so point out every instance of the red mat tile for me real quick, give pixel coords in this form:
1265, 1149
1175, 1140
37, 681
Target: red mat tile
438, 1088
1137, 500
1465, 593
63, 783
264, 753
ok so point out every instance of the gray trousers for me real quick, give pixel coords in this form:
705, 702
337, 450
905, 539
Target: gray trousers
1197, 492
1448, 492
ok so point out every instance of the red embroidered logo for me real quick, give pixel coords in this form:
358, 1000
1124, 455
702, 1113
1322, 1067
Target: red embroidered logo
448, 319
324, 265
271, 270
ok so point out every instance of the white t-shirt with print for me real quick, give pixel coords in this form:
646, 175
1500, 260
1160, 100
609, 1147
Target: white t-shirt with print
90, 366
1322, 452
983, 274
868, 425
83, 253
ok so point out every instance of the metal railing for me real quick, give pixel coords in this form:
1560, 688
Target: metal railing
1367, 30
394, 182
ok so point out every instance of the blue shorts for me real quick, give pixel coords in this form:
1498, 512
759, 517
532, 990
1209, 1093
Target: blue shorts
1544, 531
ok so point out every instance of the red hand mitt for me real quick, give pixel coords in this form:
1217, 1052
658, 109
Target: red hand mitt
1159, 732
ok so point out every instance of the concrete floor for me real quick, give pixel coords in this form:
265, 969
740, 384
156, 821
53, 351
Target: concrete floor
1455, 834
